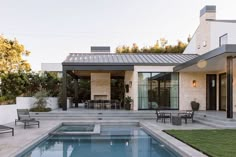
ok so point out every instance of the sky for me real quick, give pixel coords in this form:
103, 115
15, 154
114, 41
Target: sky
51, 29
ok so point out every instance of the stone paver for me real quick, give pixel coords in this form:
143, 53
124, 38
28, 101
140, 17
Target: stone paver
9, 145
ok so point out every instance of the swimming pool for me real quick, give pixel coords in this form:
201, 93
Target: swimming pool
113, 141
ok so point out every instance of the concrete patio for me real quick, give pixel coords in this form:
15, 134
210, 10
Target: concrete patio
12, 145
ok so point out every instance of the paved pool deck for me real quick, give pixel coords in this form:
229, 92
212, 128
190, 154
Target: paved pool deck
12, 145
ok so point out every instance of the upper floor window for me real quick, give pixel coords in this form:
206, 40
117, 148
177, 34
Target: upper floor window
223, 39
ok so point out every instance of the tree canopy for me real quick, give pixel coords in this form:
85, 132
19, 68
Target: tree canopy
11, 53
159, 47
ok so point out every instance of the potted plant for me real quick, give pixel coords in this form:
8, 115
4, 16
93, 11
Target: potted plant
127, 101
195, 105
41, 102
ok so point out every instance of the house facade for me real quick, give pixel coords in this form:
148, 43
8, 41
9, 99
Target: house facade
204, 72
213, 70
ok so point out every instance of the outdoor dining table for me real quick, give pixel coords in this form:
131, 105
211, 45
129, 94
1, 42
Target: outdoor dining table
103, 104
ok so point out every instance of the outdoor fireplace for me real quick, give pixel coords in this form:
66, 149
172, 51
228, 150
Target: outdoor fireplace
100, 97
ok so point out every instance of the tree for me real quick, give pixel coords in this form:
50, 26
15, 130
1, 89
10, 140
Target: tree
134, 48
11, 53
159, 47
14, 84
123, 49
163, 42
51, 83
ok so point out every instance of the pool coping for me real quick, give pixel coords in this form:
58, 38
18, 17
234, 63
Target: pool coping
175, 144
179, 146
96, 129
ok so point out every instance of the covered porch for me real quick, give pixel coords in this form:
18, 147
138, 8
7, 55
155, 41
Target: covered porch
106, 83
210, 80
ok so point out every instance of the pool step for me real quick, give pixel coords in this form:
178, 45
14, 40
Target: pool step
214, 121
95, 115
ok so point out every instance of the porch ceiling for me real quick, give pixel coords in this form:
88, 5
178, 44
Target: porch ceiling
213, 61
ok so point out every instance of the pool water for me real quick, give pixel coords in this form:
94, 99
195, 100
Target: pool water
113, 141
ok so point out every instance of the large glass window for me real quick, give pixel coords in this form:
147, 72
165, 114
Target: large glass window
158, 90
223, 39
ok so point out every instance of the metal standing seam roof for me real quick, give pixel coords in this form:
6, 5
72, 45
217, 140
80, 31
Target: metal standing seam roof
126, 59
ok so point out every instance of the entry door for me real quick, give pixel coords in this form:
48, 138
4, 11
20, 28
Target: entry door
211, 91
222, 92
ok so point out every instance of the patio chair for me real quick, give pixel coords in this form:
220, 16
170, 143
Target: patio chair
187, 115
24, 117
163, 116
107, 104
113, 104
6, 129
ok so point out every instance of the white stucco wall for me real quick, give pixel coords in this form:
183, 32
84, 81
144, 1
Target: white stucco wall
220, 28
153, 68
27, 102
191, 48
8, 113
56, 67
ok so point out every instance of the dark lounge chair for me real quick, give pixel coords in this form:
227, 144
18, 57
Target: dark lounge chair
6, 129
186, 115
24, 117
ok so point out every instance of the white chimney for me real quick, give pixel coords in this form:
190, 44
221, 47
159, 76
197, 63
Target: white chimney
208, 12
100, 49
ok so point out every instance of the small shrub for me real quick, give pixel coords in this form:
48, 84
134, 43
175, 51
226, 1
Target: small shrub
4, 100
40, 109
128, 100
41, 102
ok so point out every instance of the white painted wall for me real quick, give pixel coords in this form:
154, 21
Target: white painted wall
8, 113
220, 28
209, 32
153, 68
56, 67
191, 48
28, 102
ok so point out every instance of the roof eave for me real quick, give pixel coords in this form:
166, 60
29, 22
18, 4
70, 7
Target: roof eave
211, 54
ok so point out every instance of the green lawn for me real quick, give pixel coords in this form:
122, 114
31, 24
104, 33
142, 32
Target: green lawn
216, 143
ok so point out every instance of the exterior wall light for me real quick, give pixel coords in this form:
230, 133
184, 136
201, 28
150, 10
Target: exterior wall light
194, 83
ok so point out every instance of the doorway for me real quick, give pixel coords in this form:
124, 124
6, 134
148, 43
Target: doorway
222, 92
211, 91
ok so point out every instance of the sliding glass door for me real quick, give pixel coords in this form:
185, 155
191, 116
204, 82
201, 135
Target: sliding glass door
158, 90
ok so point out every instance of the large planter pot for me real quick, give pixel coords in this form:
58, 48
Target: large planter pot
127, 106
195, 105
128, 102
